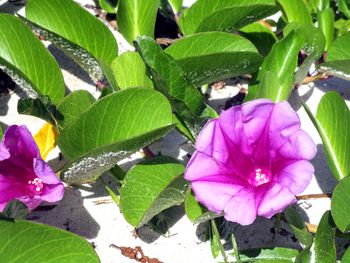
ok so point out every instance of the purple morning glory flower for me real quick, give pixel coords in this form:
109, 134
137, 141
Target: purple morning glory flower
251, 161
23, 174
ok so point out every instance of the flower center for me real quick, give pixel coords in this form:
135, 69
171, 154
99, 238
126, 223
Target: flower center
259, 177
37, 184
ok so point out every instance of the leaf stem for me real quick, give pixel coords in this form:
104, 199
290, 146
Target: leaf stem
313, 196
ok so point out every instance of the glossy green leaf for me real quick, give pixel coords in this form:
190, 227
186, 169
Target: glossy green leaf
346, 256
333, 124
110, 6
25, 241
262, 37
342, 26
340, 205
276, 74
73, 105
339, 49
192, 208
314, 46
268, 255
169, 78
325, 19
224, 56
228, 16
195, 211
137, 17
338, 58
27, 61
339, 68
324, 245
129, 71
295, 11
297, 225
344, 7
176, 5
40, 107
319, 5
78, 33
111, 129
215, 241
151, 187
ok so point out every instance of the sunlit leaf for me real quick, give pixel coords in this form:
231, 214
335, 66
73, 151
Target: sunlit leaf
151, 187
20, 53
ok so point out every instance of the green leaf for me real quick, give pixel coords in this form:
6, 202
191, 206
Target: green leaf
1, 133
325, 20
111, 129
73, 105
340, 205
15, 209
339, 49
224, 56
169, 78
346, 256
297, 225
25, 241
277, 71
192, 208
314, 46
344, 7
215, 241
324, 245
319, 5
195, 211
130, 71
151, 187
137, 17
176, 5
268, 255
295, 11
333, 124
27, 61
339, 68
262, 37
228, 16
78, 33
338, 58
110, 6
40, 107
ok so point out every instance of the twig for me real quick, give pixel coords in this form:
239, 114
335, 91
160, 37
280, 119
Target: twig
313, 196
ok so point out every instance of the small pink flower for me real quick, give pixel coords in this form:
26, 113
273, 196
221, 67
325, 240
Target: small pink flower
23, 174
251, 161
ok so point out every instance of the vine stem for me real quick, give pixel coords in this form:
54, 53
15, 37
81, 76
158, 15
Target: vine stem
313, 196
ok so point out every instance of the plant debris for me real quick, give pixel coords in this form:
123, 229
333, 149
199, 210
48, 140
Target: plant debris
136, 254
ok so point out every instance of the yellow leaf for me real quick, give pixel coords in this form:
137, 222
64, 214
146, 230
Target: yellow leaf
46, 139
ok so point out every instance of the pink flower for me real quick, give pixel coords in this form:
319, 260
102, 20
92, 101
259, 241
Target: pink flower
23, 174
251, 161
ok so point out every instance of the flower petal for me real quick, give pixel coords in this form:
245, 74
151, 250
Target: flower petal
275, 200
241, 207
214, 195
296, 176
299, 145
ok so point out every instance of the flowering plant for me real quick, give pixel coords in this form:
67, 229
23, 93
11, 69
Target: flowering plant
251, 161
23, 174
161, 72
